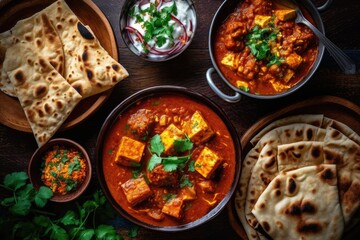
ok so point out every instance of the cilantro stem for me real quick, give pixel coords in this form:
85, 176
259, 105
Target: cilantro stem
7, 188
42, 212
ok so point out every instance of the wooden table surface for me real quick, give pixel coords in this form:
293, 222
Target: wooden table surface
341, 23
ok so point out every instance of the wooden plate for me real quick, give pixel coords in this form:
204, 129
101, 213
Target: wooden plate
330, 106
11, 112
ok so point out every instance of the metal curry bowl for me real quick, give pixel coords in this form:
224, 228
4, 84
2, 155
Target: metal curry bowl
102, 150
229, 6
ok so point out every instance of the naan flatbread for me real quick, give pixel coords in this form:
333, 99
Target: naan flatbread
289, 208
88, 66
46, 97
345, 153
265, 169
299, 154
45, 41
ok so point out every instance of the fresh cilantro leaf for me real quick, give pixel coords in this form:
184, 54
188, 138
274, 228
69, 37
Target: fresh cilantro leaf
136, 173
191, 167
21, 208
58, 232
110, 151
42, 196
160, 40
90, 205
15, 180
26, 192
106, 232
85, 234
133, 231
168, 197
156, 145
69, 218
132, 11
245, 89
154, 160
185, 182
182, 145
172, 163
8, 201
42, 221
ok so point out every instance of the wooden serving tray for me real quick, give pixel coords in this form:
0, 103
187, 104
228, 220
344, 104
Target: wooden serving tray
11, 112
330, 106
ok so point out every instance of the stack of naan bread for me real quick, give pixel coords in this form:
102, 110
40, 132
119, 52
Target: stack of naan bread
50, 61
301, 180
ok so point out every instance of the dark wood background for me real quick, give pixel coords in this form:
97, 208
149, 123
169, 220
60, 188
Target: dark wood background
341, 23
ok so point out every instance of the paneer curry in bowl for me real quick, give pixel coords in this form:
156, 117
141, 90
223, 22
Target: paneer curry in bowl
168, 158
260, 51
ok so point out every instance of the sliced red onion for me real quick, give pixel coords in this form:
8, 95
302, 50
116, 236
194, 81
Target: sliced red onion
159, 5
182, 25
136, 32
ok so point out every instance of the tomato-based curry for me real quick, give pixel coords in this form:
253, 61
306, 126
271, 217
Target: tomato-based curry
261, 50
168, 160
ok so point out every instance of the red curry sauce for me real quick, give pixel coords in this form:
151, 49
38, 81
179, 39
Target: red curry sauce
261, 50
176, 110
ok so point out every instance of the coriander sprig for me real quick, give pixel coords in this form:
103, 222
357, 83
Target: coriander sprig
20, 223
170, 163
258, 40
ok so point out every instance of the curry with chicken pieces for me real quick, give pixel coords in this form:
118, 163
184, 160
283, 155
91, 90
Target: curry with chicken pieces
168, 160
261, 50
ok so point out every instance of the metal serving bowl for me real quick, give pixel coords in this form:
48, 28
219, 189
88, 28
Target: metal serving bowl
151, 57
131, 101
226, 8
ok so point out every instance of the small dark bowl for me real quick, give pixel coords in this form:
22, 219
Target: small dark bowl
229, 6
152, 58
34, 168
131, 101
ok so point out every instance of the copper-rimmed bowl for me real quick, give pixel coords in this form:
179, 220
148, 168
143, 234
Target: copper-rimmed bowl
36, 162
229, 6
120, 111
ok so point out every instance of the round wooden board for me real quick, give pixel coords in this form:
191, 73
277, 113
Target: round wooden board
11, 112
330, 106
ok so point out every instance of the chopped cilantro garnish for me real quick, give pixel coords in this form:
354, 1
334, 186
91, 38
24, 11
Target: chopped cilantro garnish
185, 182
170, 163
258, 40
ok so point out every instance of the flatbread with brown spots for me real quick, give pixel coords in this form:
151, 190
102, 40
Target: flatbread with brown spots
88, 66
290, 207
46, 97
266, 168
299, 154
345, 153
40, 33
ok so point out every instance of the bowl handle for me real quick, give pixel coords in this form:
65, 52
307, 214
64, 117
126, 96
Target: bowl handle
231, 99
325, 6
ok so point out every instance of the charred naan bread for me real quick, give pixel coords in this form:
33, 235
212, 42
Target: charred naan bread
88, 66
345, 153
46, 97
265, 169
289, 208
45, 41
299, 154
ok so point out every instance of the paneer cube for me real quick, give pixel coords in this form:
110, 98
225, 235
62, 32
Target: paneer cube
174, 208
129, 152
188, 193
207, 162
230, 61
169, 135
285, 14
262, 20
136, 190
293, 60
288, 75
197, 129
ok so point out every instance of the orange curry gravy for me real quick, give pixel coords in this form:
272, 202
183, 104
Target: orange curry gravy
295, 47
176, 110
